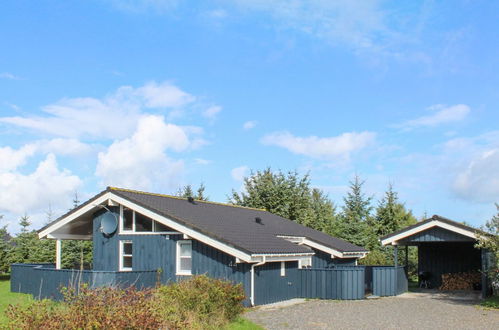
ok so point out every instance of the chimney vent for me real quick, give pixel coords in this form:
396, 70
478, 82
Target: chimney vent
258, 220
190, 199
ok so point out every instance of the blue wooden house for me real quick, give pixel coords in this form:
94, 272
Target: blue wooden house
141, 238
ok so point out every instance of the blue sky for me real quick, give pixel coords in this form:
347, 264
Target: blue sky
154, 94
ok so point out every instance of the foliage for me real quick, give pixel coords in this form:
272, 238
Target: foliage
5, 248
288, 195
197, 303
76, 254
187, 191
200, 302
27, 247
490, 302
353, 221
490, 242
7, 298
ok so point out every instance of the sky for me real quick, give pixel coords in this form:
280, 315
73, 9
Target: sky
156, 94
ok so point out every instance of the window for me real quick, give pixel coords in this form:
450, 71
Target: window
305, 263
126, 249
127, 219
133, 222
184, 257
283, 268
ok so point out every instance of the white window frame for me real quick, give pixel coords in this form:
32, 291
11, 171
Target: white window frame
134, 232
179, 257
304, 263
283, 268
122, 255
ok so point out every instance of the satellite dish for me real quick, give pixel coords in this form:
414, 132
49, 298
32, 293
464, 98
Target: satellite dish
108, 224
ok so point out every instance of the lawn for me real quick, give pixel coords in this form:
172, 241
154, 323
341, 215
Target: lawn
7, 297
491, 302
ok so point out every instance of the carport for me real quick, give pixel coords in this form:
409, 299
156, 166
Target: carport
444, 246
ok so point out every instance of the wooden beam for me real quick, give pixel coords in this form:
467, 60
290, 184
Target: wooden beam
58, 253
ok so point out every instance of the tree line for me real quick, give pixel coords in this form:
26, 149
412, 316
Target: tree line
360, 219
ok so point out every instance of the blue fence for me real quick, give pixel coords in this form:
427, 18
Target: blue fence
345, 283
44, 281
389, 281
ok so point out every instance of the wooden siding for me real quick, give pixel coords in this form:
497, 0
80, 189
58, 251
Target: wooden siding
217, 264
389, 281
441, 258
323, 260
436, 234
271, 287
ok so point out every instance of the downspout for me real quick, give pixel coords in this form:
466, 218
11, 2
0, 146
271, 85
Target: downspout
252, 280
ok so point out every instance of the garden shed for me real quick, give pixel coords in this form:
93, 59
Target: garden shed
444, 247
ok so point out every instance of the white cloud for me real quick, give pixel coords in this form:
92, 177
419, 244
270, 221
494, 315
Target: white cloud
249, 124
479, 181
202, 161
112, 117
11, 159
21, 193
10, 76
239, 173
212, 112
441, 115
358, 24
341, 146
141, 161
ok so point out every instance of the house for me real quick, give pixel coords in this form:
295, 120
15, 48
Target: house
153, 236
444, 246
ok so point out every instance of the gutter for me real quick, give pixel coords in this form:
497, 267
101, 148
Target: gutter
252, 281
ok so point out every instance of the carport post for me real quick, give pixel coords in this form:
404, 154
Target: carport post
396, 255
407, 260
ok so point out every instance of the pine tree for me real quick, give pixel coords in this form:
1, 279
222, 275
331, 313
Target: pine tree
187, 191
355, 216
5, 248
288, 195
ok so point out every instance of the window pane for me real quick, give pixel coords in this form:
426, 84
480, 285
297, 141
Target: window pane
185, 264
127, 248
142, 223
185, 249
127, 219
127, 262
159, 227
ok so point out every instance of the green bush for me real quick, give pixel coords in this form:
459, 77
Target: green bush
197, 303
200, 302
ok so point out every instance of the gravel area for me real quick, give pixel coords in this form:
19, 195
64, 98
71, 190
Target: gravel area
409, 311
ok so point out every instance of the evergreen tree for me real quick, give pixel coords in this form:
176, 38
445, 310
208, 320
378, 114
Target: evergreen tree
5, 248
391, 215
355, 216
187, 191
288, 195
23, 243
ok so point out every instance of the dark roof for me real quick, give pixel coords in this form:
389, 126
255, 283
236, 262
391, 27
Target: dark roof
231, 224
434, 217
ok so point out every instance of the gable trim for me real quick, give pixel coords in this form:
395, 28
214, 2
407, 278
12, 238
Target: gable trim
393, 240
333, 252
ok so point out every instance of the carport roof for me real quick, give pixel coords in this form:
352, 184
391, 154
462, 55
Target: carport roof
435, 221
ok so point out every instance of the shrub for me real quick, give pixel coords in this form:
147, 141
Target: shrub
199, 302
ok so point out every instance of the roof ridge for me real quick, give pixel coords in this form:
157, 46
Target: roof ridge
183, 198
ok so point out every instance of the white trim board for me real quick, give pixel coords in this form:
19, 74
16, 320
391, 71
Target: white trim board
431, 224
333, 252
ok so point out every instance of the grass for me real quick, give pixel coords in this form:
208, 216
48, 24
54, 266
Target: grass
490, 302
243, 324
7, 297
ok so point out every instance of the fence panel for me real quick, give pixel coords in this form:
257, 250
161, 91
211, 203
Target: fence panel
389, 281
345, 283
